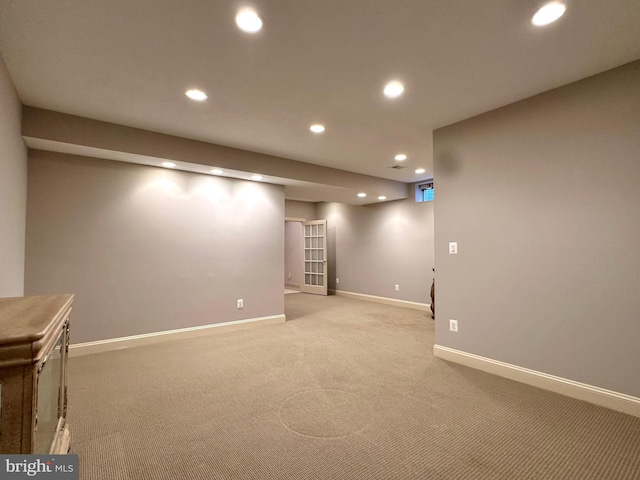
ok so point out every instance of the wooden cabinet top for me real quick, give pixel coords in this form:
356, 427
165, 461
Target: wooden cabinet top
27, 324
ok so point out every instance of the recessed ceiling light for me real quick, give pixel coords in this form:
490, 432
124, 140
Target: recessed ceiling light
168, 164
382, 197
420, 170
217, 171
317, 128
248, 21
549, 13
256, 177
393, 89
197, 95
362, 194
400, 157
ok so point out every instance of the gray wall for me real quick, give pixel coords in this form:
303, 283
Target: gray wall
542, 197
149, 249
293, 242
295, 209
13, 189
371, 248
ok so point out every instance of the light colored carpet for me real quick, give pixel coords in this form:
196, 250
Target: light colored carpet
344, 390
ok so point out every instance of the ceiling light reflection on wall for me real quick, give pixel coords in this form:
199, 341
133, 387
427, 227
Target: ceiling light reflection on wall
362, 195
248, 21
549, 13
217, 171
197, 95
393, 89
420, 170
168, 164
400, 157
256, 177
317, 128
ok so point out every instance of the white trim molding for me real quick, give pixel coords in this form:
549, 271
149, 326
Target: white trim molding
387, 301
570, 388
100, 346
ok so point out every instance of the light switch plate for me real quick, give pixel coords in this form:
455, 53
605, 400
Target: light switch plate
453, 248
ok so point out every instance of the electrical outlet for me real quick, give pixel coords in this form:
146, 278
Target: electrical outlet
453, 248
397, 287
240, 303
337, 280
453, 325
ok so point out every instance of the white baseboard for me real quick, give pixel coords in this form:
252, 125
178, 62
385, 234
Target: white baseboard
112, 344
581, 391
387, 301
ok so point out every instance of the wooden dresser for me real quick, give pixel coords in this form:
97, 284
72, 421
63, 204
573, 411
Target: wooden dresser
34, 343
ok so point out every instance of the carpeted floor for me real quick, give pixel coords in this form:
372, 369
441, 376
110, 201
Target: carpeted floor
344, 390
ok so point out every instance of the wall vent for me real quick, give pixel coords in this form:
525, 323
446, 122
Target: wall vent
398, 167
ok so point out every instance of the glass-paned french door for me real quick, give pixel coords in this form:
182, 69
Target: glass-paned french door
315, 257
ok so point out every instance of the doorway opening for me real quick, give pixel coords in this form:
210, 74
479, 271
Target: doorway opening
293, 254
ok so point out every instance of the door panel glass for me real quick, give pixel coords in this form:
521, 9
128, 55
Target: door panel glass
48, 406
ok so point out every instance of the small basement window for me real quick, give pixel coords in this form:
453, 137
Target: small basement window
425, 192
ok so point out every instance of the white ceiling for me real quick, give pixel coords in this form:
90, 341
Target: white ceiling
129, 62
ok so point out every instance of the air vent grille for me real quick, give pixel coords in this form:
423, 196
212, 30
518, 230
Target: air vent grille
398, 167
